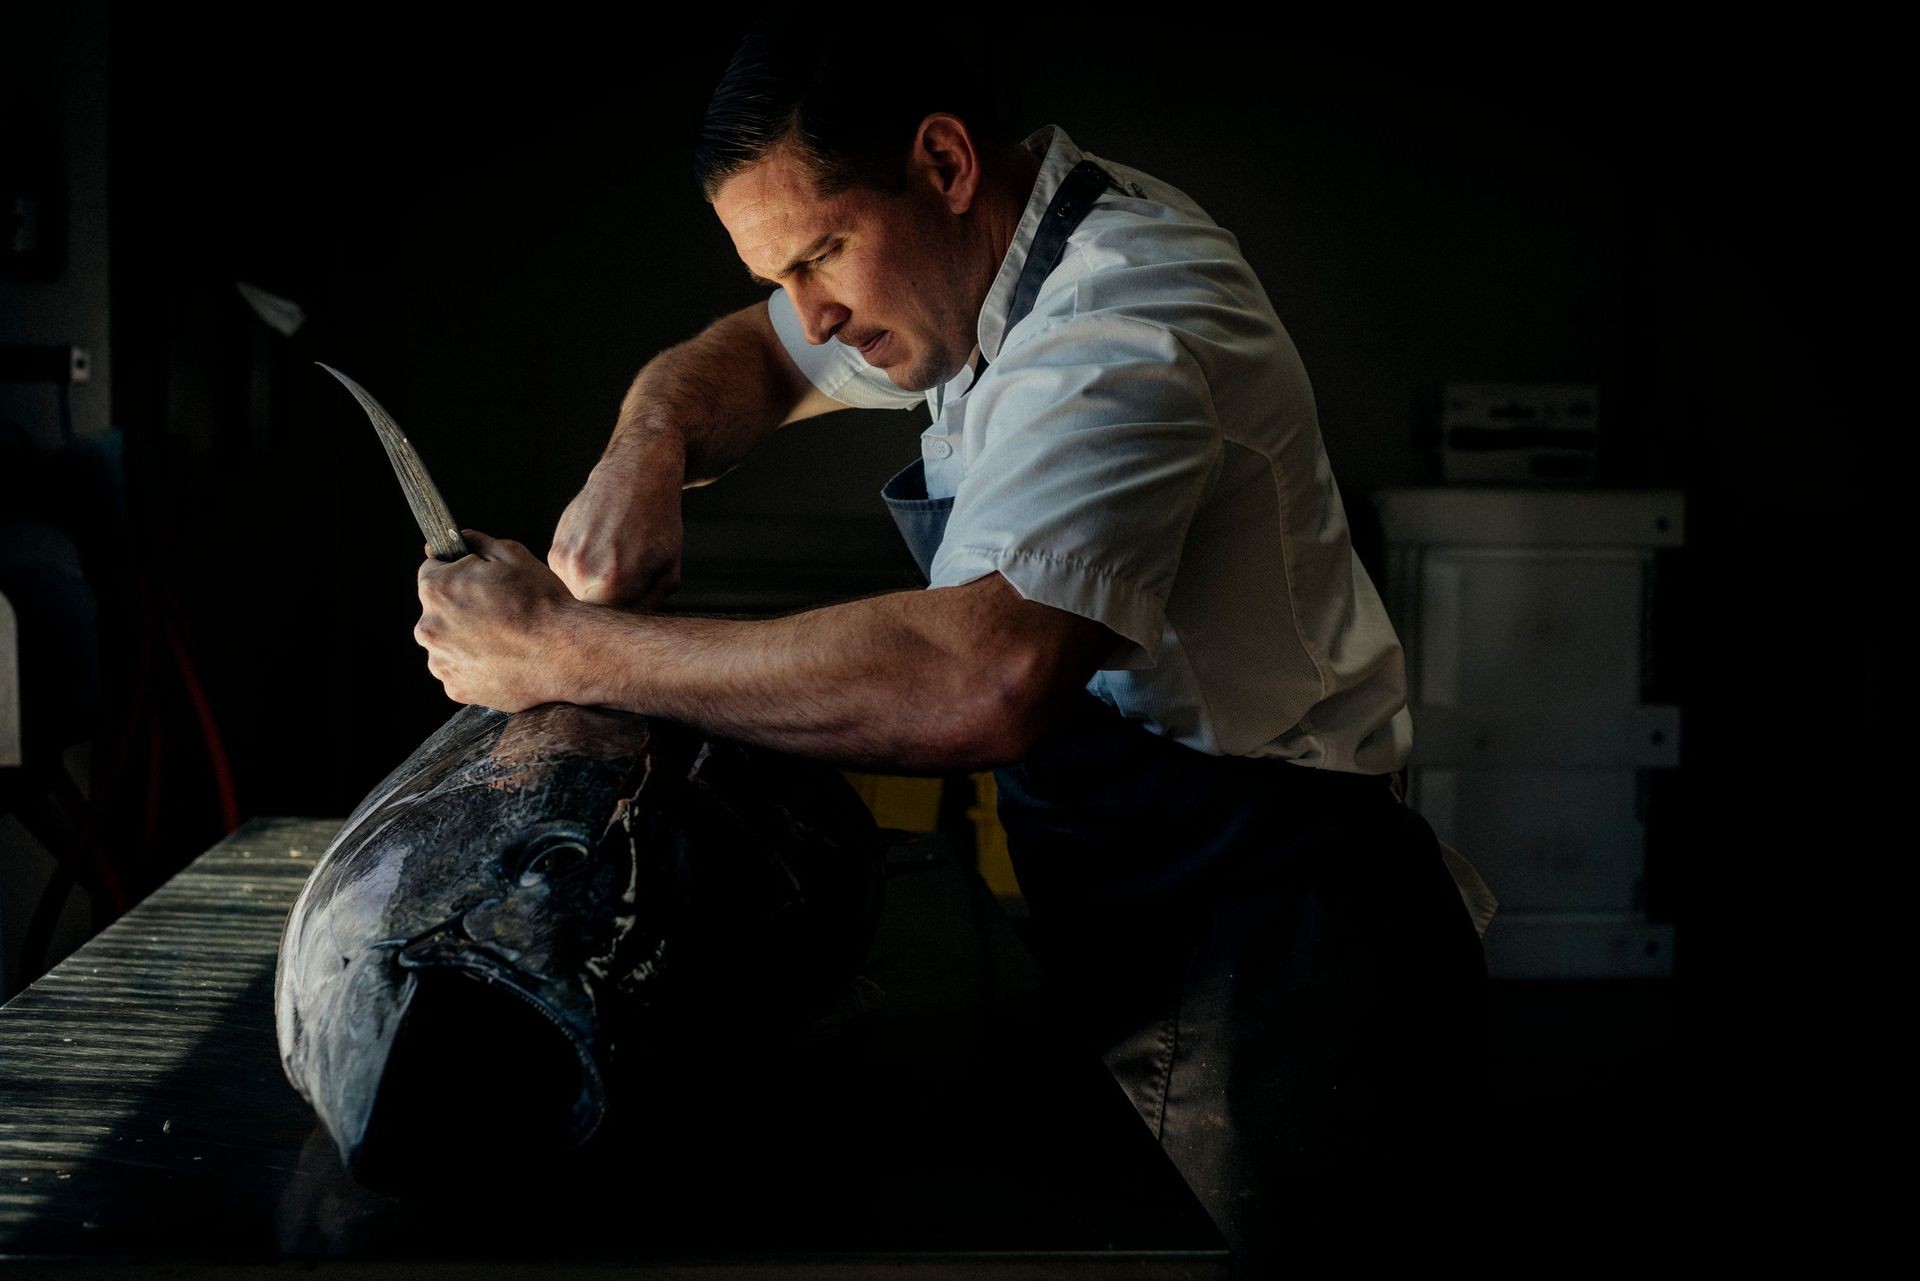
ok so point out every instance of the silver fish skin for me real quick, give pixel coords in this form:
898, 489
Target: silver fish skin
535, 908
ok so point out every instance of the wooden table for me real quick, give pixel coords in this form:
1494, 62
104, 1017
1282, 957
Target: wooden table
145, 1123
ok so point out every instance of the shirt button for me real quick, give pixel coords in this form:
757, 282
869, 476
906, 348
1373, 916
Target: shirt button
940, 448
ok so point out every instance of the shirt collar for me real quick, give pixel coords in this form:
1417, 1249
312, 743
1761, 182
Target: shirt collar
1058, 156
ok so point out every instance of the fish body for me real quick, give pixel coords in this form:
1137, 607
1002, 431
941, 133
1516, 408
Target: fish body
536, 908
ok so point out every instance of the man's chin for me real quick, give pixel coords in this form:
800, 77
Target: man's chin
916, 376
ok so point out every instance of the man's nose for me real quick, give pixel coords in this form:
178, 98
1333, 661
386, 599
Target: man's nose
820, 317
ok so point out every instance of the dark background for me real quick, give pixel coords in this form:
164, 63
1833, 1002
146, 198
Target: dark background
492, 225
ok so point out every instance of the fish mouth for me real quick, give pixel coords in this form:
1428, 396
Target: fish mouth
481, 1068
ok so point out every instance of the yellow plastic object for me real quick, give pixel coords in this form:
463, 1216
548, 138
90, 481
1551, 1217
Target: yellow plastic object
910, 804
913, 805
996, 867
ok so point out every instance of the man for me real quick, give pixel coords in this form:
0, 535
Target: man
1143, 608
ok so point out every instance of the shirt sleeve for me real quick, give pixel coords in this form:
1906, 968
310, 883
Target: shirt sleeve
835, 368
1100, 441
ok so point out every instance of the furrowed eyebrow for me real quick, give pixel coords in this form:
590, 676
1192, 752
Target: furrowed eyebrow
803, 255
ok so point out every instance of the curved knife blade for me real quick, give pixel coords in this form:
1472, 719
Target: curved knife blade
429, 509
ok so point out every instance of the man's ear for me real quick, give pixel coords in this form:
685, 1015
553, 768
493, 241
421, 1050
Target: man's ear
946, 162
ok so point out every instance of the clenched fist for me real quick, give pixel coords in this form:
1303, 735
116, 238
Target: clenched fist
618, 542
496, 625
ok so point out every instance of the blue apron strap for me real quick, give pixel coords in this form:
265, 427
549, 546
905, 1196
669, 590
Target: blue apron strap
1070, 204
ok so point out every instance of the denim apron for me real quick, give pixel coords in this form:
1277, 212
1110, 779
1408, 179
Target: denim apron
1273, 961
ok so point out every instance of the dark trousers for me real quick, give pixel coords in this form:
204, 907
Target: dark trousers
1273, 962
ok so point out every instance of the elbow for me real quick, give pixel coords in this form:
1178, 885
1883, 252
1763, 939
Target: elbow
1010, 703
1011, 666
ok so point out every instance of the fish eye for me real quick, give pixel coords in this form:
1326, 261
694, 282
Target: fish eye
547, 856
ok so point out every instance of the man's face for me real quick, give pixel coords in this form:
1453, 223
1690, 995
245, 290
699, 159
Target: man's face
884, 273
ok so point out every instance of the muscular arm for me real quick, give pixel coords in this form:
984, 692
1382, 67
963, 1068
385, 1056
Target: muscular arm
692, 414
711, 399
953, 678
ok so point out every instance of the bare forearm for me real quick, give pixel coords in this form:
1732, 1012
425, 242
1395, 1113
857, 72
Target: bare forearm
705, 403
869, 683
949, 678
691, 415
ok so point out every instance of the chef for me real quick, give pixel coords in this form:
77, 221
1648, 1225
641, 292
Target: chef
1143, 610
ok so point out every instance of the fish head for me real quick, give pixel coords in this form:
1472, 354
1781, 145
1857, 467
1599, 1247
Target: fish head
446, 978
530, 898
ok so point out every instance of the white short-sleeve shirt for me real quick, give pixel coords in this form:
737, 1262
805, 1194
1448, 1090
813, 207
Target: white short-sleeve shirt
1142, 449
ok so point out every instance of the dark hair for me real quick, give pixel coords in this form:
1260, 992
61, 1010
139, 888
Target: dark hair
851, 101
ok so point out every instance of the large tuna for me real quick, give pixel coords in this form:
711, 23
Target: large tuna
535, 907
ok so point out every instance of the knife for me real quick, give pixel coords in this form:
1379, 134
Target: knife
429, 509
